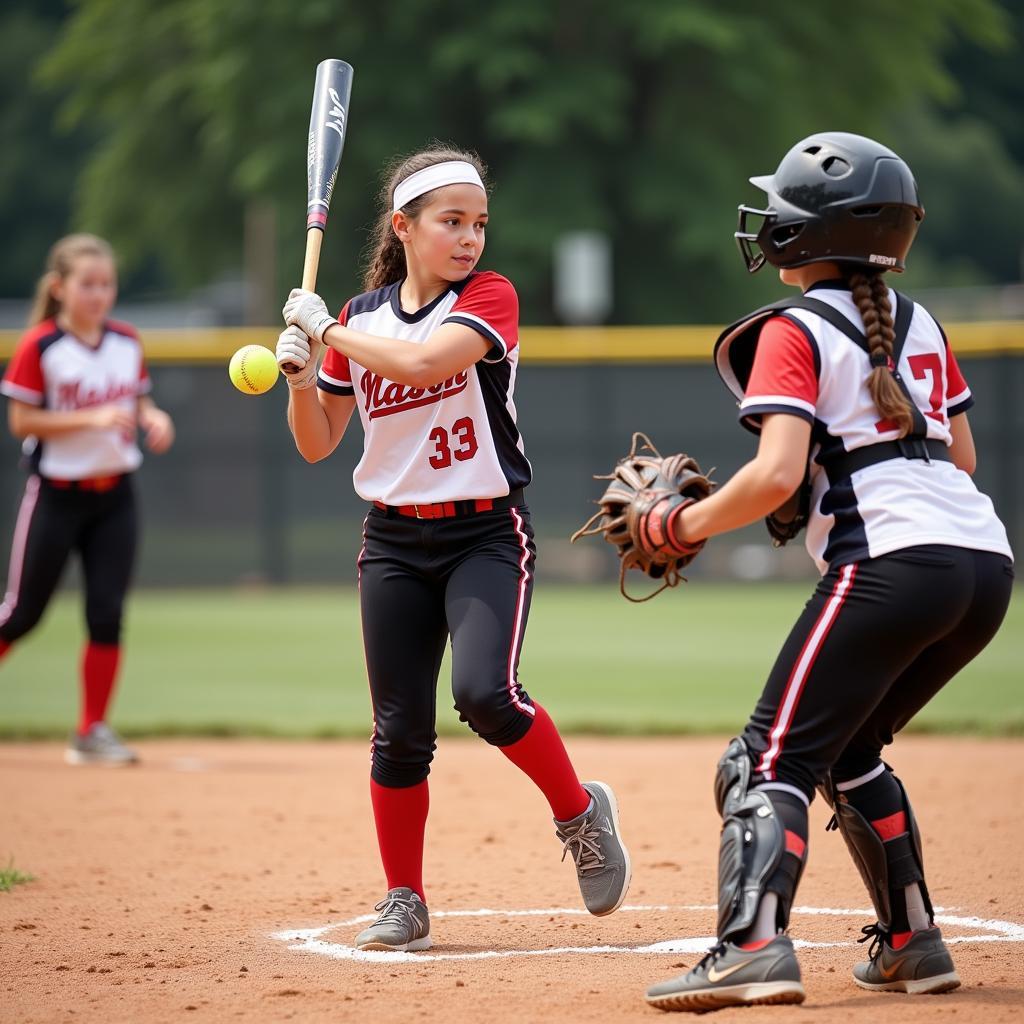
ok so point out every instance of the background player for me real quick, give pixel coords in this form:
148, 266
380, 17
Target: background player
916, 567
428, 355
79, 389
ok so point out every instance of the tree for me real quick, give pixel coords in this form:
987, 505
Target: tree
38, 166
640, 119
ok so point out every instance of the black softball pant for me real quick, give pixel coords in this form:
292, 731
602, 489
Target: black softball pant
877, 640
420, 581
52, 523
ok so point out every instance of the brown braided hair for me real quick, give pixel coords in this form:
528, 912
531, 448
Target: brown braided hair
59, 264
871, 295
385, 262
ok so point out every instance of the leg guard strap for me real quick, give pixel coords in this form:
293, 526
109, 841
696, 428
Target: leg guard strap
882, 866
752, 843
783, 883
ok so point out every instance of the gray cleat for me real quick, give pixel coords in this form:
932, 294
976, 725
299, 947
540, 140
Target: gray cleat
100, 745
601, 857
731, 976
921, 966
403, 925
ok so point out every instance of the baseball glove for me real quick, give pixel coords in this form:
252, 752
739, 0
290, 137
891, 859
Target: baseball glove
638, 510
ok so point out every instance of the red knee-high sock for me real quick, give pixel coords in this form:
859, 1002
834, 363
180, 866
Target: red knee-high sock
541, 754
99, 671
5, 646
401, 819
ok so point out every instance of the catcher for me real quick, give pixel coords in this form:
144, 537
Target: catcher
861, 410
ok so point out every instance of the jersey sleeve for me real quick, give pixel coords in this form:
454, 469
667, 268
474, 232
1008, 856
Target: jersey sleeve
784, 377
23, 379
489, 305
958, 395
335, 375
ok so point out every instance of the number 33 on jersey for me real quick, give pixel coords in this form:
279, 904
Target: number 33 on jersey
457, 439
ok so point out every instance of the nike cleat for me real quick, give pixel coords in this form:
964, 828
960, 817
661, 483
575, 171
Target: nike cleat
921, 966
731, 976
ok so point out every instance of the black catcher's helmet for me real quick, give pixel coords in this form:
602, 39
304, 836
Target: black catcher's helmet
837, 197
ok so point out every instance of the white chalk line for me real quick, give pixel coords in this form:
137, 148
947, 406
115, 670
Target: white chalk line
310, 940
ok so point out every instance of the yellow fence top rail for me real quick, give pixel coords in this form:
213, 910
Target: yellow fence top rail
550, 345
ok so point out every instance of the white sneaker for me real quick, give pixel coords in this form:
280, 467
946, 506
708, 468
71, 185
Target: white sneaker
100, 745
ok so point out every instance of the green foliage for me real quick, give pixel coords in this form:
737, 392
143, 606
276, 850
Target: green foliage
973, 193
224, 662
642, 119
37, 164
10, 876
990, 82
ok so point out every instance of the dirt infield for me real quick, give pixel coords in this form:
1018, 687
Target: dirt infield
214, 882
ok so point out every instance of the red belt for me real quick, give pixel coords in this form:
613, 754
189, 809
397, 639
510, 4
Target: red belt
448, 509
93, 483
439, 510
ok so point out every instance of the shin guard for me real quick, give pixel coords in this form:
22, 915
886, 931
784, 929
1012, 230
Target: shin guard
884, 866
752, 842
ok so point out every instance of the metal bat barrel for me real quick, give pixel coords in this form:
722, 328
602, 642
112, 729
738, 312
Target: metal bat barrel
328, 123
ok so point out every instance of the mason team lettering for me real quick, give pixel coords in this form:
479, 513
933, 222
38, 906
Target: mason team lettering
75, 395
382, 397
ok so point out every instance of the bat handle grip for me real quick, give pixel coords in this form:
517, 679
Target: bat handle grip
314, 239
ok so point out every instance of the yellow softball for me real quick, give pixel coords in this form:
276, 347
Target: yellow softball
253, 369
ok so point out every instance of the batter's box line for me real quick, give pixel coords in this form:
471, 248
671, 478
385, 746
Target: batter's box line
311, 940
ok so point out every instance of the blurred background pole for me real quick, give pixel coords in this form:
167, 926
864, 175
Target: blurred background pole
262, 302
583, 287
263, 309
583, 296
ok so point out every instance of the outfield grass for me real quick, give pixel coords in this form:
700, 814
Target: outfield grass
289, 662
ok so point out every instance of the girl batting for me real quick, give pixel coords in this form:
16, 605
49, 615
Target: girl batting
79, 390
428, 356
861, 410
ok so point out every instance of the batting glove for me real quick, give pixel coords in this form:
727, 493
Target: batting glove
308, 311
294, 349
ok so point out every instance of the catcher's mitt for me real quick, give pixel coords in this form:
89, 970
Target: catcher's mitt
638, 509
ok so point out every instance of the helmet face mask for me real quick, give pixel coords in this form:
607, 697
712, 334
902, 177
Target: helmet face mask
835, 198
746, 239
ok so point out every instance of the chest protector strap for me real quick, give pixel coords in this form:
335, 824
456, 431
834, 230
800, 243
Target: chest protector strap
734, 359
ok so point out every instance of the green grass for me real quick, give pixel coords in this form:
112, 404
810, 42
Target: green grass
10, 876
289, 663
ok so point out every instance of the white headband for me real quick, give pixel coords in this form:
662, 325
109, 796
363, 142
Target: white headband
452, 172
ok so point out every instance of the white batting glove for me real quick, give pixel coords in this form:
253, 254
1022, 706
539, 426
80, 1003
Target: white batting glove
308, 311
294, 349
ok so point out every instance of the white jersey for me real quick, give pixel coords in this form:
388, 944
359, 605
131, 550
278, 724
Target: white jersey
55, 370
457, 439
806, 367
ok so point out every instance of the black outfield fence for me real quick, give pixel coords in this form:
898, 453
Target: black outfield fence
233, 502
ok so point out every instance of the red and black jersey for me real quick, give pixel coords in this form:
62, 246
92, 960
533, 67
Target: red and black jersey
804, 366
53, 369
457, 439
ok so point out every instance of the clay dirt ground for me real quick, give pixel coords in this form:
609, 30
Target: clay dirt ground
159, 890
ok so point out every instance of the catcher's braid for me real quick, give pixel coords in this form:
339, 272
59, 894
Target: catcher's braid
638, 511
